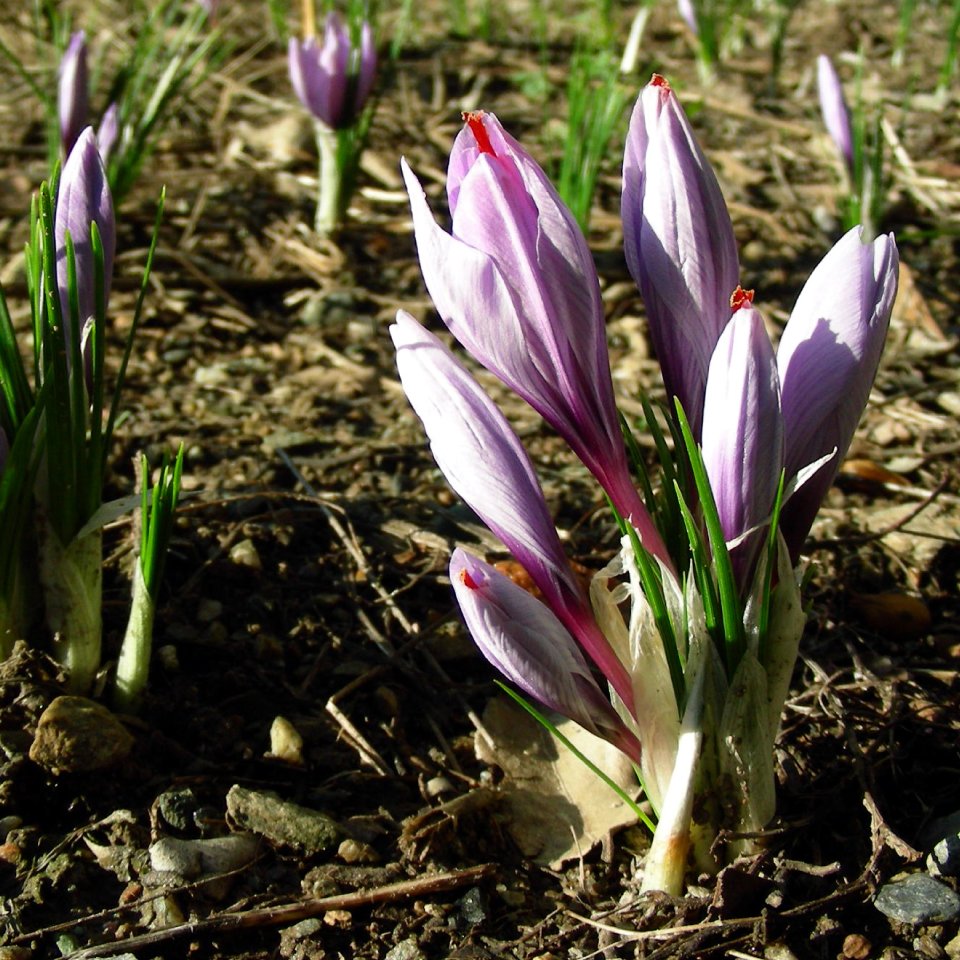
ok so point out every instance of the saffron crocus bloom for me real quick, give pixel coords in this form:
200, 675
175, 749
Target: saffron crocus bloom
523, 639
332, 78
827, 359
72, 92
833, 106
83, 198
515, 283
743, 433
484, 461
678, 241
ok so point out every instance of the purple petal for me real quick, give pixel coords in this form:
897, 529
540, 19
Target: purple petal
72, 91
83, 198
678, 241
484, 461
833, 106
743, 434
523, 639
827, 359
108, 131
515, 283
367, 67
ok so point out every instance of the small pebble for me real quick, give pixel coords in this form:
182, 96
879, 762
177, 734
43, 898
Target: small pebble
76, 735
405, 950
353, 851
944, 861
285, 742
282, 822
244, 554
209, 610
918, 899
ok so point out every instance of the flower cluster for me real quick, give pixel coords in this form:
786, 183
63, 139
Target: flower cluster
514, 282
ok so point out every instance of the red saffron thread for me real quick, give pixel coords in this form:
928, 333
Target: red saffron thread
474, 121
740, 298
468, 581
658, 81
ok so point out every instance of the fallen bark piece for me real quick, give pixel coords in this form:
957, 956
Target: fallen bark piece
282, 822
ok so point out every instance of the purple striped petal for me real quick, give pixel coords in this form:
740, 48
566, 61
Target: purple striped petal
827, 359
515, 283
72, 91
83, 198
743, 434
484, 461
678, 241
833, 106
523, 639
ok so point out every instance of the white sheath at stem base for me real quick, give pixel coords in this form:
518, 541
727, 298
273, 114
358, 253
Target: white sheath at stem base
666, 863
133, 666
71, 580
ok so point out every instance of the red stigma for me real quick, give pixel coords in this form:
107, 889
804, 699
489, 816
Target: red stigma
468, 581
740, 298
657, 81
474, 121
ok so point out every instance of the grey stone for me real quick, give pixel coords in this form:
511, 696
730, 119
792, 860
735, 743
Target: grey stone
281, 821
918, 899
405, 950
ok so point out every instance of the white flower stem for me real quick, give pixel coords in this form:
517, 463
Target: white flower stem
666, 862
330, 181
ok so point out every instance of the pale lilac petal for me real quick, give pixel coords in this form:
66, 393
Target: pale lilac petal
367, 70
828, 358
108, 131
525, 641
833, 106
678, 241
484, 461
72, 91
743, 435
515, 283
83, 198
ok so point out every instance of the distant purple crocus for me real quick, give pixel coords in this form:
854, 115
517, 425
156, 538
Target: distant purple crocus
836, 113
678, 241
515, 283
484, 461
72, 91
743, 433
689, 14
827, 360
331, 77
83, 198
108, 131
522, 638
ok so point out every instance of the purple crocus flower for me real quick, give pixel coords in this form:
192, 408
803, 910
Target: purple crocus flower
72, 92
484, 461
522, 638
827, 359
678, 241
833, 106
108, 131
689, 14
332, 78
743, 433
515, 283
83, 198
